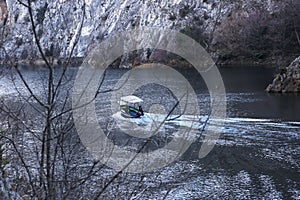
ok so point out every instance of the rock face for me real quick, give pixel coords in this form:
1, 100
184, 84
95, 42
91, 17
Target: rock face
62, 23
288, 80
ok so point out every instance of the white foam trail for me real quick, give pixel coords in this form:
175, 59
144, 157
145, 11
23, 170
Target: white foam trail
251, 128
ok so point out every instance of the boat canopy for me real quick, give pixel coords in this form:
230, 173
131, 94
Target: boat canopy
130, 106
131, 99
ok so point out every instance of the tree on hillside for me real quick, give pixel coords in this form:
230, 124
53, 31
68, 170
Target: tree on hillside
260, 33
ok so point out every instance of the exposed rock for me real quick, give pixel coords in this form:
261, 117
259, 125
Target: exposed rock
288, 80
62, 23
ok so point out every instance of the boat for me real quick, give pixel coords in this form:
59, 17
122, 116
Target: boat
131, 107
131, 113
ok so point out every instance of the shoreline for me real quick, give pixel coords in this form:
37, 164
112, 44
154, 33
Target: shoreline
272, 62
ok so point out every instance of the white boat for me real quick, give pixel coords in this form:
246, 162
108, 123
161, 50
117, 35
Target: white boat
130, 107
142, 124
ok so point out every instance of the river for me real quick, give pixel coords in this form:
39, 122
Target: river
257, 155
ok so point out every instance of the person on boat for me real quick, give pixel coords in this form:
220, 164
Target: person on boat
136, 112
141, 112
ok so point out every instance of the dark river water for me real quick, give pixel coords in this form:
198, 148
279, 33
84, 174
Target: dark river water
257, 155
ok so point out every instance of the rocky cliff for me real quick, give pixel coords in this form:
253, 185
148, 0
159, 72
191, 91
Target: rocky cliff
62, 23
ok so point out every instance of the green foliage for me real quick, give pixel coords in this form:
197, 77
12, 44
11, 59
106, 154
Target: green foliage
49, 52
16, 17
26, 19
259, 54
184, 11
40, 33
19, 41
40, 16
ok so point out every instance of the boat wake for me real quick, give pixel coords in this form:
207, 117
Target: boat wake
244, 130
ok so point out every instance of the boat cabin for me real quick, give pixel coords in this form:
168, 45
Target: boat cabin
131, 107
